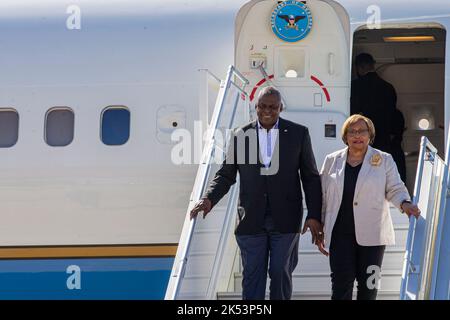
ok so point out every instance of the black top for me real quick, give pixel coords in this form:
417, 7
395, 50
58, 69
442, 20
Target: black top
345, 222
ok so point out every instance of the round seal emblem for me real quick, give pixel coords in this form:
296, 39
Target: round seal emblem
291, 21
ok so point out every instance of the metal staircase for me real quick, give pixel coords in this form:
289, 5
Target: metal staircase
426, 271
207, 248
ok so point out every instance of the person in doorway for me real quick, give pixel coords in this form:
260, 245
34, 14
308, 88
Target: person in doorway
357, 184
270, 201
374, 98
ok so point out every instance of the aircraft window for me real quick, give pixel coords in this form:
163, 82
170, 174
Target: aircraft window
115, 128
59, 127
9, 127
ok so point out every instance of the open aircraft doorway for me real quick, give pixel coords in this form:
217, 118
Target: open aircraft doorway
411, 57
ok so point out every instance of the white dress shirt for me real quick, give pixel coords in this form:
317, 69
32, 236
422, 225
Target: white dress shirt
267, 140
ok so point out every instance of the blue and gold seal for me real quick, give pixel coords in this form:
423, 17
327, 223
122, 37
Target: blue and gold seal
291, 21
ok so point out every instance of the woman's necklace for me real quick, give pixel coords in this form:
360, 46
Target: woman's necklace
354, 162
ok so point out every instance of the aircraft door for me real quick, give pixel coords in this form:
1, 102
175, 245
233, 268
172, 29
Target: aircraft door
301, 48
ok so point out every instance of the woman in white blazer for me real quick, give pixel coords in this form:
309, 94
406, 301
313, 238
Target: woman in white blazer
357, 184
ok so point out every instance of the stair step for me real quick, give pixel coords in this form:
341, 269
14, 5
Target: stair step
320, 282
312, 295
314, 261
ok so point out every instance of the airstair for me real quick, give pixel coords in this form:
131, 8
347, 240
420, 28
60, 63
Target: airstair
207, 249
426, 270
208, 266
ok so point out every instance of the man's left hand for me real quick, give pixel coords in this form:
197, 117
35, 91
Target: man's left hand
316, 229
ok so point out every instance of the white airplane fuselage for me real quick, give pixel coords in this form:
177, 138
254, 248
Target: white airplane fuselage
88, 203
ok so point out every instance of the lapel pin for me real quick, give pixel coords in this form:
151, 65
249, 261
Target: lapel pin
376, 160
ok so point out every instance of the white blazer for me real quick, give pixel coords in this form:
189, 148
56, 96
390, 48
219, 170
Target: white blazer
378, 182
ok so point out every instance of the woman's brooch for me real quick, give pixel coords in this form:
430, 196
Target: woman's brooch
376, 160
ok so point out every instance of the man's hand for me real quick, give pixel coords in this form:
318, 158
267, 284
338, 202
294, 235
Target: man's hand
204, 205
411, 209
316, 229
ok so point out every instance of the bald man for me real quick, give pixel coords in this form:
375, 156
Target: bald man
270, 205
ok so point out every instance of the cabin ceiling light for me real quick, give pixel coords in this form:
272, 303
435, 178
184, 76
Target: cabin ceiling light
409, 39
291, 74
424, 124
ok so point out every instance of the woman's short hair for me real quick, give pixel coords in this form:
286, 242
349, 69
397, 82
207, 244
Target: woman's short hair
354, 119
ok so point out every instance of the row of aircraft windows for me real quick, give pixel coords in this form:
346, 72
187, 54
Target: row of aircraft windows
59, 126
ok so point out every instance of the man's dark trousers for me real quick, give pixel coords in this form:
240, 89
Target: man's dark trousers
278, 251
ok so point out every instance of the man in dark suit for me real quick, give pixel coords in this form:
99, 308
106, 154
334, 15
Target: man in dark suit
374, 98
270, 200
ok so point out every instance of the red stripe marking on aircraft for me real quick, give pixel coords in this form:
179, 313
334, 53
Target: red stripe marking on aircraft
252, 95
325, 90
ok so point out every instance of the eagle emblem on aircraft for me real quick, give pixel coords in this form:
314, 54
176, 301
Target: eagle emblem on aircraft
291, 20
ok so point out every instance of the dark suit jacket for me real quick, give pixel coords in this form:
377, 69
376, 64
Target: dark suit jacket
376, 99
282, 188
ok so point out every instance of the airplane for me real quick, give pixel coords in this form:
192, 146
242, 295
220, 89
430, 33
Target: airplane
93, 203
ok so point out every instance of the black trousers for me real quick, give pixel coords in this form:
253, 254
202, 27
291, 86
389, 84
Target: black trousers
350, 261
